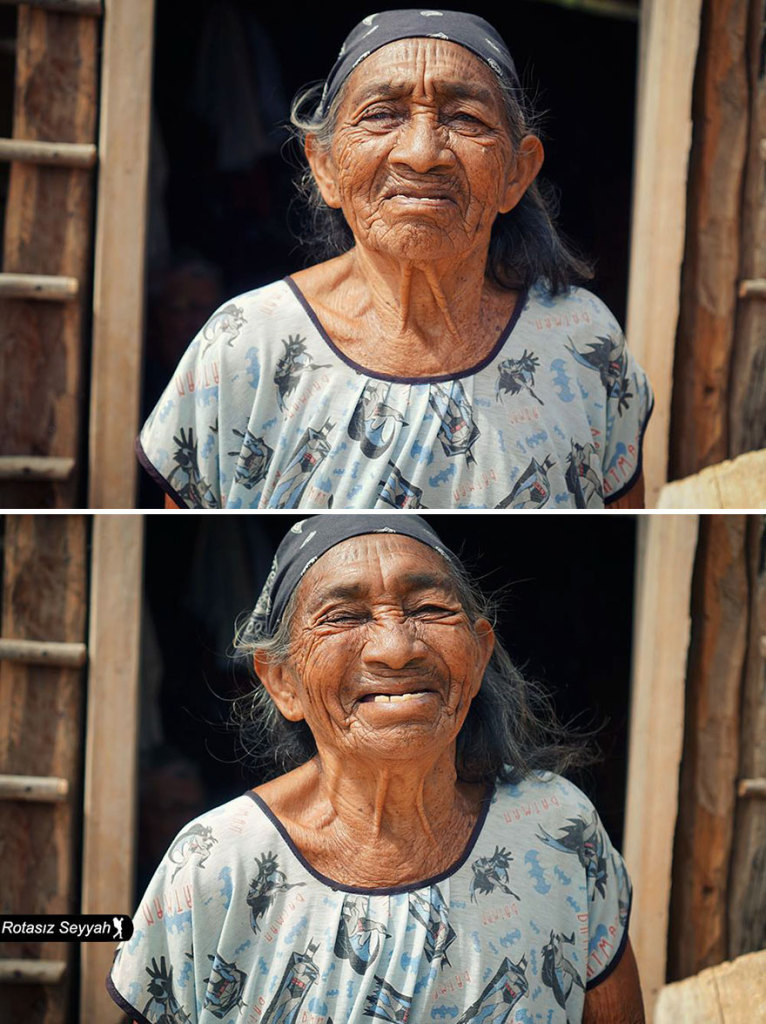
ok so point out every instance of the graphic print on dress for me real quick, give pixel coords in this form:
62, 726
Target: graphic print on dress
398, 492
508, 985
515, 375
163, 1007
490, 873
253, 459
265, 887
193, 487
360, 938
533, 488
373, 422
433, 914
300, 974
457, 431
197, 840
582, 480
294, 363
607, 356
558, 973
226, 324
311, 450
224, 987
385, 1003
583, 838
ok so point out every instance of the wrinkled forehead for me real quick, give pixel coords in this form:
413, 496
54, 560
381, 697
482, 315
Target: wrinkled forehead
371, 564
433, 65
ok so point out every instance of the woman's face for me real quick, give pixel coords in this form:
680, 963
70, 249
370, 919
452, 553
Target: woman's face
422, 161
385, 662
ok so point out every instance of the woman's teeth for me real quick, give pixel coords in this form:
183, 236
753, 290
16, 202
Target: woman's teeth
395, 698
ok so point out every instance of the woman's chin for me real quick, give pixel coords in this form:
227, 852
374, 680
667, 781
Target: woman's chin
415, 241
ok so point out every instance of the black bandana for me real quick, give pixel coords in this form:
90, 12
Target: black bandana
307, 541
376, 30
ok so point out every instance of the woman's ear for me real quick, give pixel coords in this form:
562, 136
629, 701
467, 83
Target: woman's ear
323, 169
485, 638
277, 679
528, 161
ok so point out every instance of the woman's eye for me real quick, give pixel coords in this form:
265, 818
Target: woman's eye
378, 114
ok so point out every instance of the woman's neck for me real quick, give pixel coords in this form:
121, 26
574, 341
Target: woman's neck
405, 318
376, 825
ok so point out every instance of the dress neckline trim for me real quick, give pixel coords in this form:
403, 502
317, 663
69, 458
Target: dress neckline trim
394, 378
383, 891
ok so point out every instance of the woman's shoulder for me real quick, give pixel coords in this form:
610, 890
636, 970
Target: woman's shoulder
543, 791
573, 308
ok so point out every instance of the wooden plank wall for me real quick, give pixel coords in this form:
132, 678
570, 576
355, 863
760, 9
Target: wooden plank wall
47, 231
109, 832
44, 598
700, 416
747, 871
666, 551
119, 277
747, 405
699, 905
669, 35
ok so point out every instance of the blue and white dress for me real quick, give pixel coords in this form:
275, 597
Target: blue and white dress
237, 927
264, 411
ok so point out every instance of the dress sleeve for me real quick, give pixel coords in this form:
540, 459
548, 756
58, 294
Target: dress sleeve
152, 978
609, 902
629, 405
179, 443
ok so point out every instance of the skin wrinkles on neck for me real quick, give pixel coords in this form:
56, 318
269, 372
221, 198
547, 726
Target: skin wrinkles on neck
412, 297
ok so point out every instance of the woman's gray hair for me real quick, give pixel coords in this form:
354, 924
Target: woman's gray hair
525, 246
511, 728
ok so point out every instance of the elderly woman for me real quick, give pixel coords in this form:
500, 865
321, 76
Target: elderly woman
417, 864
443, 359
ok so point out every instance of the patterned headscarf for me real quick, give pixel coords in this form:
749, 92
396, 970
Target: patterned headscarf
311, 538
377, 30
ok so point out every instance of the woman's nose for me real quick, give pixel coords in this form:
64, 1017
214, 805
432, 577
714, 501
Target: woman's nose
421, 144
393, 643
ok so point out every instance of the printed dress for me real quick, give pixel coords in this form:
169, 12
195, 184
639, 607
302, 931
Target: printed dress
237, 927
265, 412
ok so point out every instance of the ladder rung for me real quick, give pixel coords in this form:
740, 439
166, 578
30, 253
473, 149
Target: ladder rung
35, 467
93, 7
44, 652
40, 788
752, 787
54, 154
31, 972
762, 148
38, 286
753, 289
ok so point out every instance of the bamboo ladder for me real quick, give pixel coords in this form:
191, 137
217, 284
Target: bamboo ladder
47, 249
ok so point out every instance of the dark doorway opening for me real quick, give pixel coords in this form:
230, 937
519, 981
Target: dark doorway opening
221, 184
566, 619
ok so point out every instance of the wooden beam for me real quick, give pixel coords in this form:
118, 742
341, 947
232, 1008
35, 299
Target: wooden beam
35, 467
118, 290
729, 993
52, 154
665, 560
43, 598
111, 745
86, 7
32, 787
47, 287
40, 652
734, 484
31, 972
707, 795
747, 869
711, 273
669, 36
48, 232
752, 787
